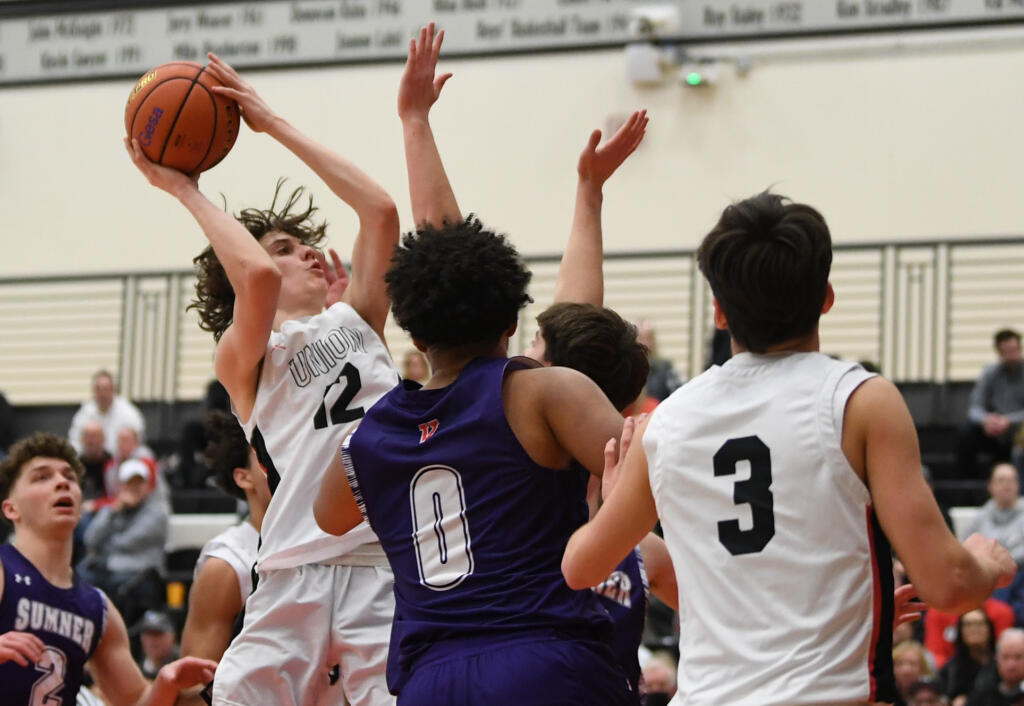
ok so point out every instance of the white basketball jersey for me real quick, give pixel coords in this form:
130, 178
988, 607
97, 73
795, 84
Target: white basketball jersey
319, 376
237, 546
781, 593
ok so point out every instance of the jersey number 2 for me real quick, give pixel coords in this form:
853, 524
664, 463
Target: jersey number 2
754, 491
46, 690
440, 530
340, 413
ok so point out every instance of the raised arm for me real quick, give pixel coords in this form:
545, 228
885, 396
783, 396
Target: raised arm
378, 217
879, 438
433, 200
254, 278
580, 275
629, 514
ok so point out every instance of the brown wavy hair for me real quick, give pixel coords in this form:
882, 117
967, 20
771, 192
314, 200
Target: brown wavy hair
40, 444
215, 297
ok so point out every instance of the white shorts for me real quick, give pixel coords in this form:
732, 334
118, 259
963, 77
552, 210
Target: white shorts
299, 624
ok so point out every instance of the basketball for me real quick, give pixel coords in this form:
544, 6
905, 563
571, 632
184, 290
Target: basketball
178, 121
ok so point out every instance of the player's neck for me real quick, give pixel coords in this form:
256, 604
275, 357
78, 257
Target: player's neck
447, 363
810, 343
50, 555
256, 513
296, 312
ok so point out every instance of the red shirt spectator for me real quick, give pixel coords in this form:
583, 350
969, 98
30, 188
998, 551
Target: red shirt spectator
940, 628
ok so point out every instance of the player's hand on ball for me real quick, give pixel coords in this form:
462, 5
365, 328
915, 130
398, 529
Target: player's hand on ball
170, 180
419, 88
187, 672
255, 111
990, 551
22, 648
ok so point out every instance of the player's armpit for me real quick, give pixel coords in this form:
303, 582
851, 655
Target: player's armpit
880, 441
661, 574
213, 604
595, 549
335, 507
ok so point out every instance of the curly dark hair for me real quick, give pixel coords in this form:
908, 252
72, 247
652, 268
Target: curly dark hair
767, 261
215, 298
600, 344
226, 449
456, 284
40, 444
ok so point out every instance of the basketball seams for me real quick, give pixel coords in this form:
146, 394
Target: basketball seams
181, 107
216, 113
152, 88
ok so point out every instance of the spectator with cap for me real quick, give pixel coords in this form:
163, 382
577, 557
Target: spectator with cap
159, 642
109, 409
926, 693
125, 543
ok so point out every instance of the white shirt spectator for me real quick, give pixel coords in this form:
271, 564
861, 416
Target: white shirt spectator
120, 414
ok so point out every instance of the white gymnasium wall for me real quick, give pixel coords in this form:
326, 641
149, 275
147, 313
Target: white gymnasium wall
888, 146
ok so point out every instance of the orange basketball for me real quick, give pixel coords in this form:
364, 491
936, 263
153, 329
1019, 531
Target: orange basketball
178, 121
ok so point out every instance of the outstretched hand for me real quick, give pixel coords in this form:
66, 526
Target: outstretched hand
906, 608
187, 672
255, 111
597, 164
336, 275
22, 648
613, 462
420, 88
167, 179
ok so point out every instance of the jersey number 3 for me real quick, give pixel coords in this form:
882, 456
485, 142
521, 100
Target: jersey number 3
754, 491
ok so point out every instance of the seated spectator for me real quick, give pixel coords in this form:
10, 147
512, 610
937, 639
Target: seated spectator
975, 647
998, 684
129, 447
95, 459
159, 642
940, 628
909, 666
125, 544
996, 408
1002, 517
414, 367
926, 693
659, 678
663, 379
109, 409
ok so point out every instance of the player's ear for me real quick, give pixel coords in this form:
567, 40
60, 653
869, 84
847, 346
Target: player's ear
830, 299
242, 479
9, 509
720, 323
512, 329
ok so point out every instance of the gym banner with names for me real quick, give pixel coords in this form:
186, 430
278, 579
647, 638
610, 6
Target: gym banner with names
128, 41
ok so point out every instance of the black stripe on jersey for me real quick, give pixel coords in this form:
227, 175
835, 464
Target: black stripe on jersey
882, 669
260, 446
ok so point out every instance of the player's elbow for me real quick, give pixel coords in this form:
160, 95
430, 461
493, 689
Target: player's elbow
382, 213
576, 570
263, 277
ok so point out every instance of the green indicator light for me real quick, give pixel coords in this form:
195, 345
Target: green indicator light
694, 78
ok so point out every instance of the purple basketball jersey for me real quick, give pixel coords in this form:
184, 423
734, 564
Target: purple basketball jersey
625, 593
473, 528
69, 621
